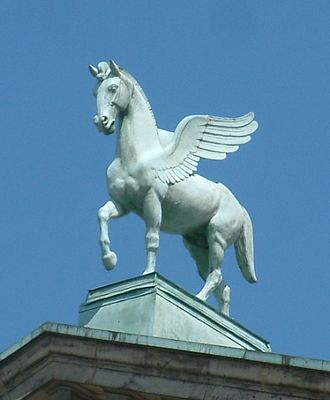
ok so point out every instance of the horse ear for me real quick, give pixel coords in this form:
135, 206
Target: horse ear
115, 70
94, 71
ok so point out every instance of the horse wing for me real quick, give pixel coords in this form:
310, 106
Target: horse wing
202, 136
165, 137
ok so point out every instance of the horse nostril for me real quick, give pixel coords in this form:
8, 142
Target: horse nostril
104, 119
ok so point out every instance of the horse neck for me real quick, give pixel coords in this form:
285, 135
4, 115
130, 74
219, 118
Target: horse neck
138, 134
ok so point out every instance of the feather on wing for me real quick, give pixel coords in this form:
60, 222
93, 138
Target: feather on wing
202, 136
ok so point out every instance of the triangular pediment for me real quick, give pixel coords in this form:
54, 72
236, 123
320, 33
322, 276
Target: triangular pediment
151, 305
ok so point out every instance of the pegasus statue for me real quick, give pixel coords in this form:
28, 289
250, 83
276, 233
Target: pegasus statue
154, 175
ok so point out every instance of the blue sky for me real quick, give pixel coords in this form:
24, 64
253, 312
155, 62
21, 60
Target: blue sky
191, 57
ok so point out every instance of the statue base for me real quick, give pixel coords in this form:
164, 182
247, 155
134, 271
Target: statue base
151, 305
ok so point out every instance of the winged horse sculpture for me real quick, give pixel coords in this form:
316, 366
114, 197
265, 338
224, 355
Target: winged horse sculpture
153, 175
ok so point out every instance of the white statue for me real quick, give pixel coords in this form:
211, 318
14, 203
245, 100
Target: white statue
153, 175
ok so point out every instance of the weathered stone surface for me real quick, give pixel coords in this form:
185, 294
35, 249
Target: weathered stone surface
153, 306
96, 364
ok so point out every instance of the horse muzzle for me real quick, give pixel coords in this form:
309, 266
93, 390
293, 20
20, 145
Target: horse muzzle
105, 124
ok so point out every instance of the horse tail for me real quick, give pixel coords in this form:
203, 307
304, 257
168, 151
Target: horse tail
244, 249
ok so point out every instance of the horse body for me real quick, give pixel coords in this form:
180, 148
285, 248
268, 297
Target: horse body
185, 209
205, 213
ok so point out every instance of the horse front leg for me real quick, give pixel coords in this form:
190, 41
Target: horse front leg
152, 213
109, 210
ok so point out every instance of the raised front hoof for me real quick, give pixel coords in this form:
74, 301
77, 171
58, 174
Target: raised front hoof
109, 260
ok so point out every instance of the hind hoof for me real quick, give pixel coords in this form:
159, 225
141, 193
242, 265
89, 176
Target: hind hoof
109, 260
201, 296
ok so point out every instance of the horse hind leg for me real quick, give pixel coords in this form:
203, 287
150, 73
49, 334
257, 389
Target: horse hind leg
200, 253
222, 294
216, 251
215, 282
199, 250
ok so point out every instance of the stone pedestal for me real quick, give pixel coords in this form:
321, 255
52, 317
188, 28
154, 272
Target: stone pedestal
152, 306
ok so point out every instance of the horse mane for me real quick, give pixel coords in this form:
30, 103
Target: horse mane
137, 86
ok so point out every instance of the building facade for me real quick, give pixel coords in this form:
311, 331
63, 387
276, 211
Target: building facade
66, 362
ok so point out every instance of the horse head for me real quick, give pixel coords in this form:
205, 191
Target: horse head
113, 94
